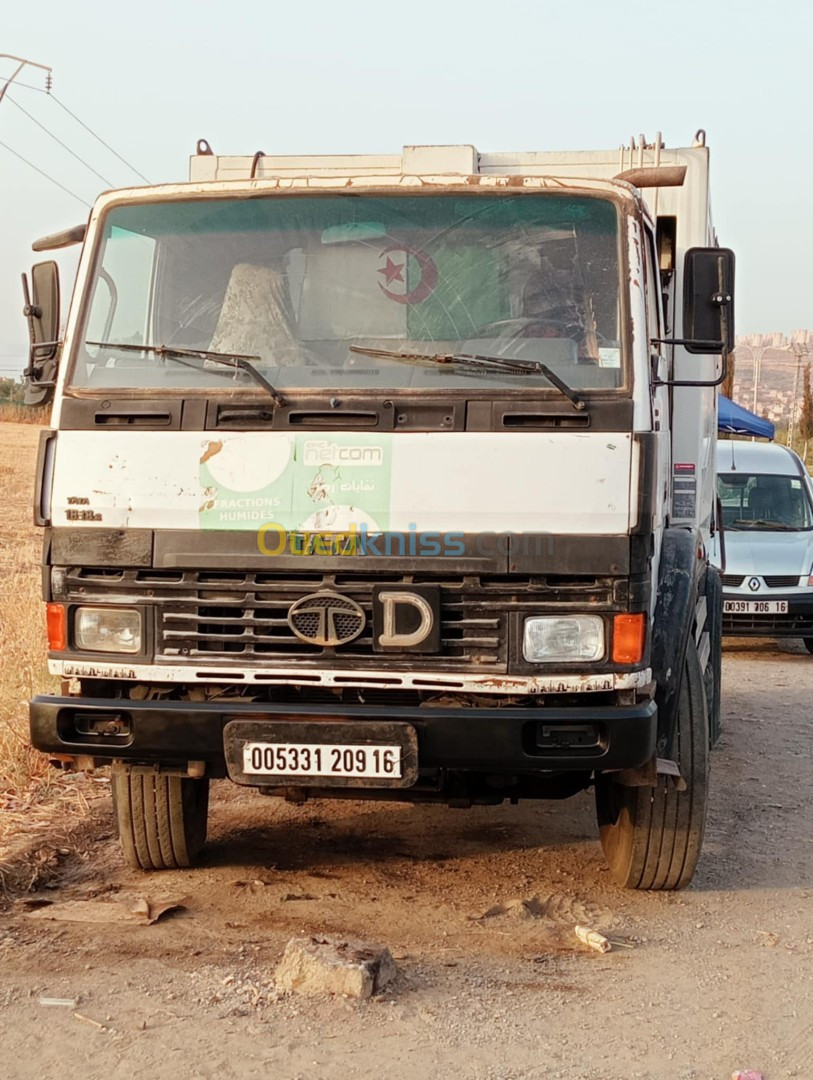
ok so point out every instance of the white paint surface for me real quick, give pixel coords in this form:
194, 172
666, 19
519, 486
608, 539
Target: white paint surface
563, 483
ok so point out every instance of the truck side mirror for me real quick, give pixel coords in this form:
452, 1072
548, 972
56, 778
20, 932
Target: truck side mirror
708, 300
42, 314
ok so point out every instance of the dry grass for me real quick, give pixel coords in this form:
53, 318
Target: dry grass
28, 784
22, 640
23, 670
23, 414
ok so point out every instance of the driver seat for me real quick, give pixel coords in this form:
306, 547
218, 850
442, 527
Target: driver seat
761, 502
257, 318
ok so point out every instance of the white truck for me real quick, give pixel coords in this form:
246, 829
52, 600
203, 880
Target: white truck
389, 477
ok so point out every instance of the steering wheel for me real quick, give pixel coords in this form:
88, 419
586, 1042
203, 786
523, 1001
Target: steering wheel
521, 325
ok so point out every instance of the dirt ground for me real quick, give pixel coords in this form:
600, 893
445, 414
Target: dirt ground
718, 977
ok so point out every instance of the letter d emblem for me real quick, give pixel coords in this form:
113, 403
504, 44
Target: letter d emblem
406, 619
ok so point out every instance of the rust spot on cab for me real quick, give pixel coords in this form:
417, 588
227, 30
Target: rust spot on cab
212, 448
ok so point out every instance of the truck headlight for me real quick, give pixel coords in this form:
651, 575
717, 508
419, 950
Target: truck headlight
107, 629
563, 639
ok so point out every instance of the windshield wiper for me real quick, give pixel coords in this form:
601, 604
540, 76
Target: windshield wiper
762, 523
480, 363
232, 360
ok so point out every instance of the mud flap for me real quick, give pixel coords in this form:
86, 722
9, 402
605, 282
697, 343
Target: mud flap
674, 616
647, 775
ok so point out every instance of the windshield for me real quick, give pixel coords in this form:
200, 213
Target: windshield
764, 503
295, 280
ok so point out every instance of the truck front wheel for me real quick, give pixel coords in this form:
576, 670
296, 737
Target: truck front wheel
652, 836
161, 818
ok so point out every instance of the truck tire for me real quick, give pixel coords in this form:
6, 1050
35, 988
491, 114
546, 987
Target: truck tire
714, 669
161, 818
808, 644
652, 836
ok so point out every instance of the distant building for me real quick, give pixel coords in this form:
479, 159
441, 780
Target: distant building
779, 360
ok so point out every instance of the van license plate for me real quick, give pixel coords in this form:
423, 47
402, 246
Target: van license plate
755, 607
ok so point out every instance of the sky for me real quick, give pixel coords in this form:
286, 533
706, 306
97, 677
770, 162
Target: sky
370, 77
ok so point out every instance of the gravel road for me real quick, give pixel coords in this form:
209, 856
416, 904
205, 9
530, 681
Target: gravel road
718, 977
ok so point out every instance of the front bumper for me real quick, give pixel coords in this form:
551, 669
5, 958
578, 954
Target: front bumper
416, 678
797, 621
520, 740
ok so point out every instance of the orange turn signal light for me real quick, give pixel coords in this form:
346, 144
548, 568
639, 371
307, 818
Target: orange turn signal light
57, 627
629, 633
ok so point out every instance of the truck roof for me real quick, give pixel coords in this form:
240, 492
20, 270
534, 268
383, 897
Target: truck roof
372, 183
669, 182
460, 160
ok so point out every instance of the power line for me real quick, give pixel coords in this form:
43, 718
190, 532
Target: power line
22, 63
47, 90
28, 86
99, 138
64, 146
45, 174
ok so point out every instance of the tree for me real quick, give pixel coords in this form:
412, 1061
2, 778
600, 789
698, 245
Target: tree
11, 391
727, 387
806, 417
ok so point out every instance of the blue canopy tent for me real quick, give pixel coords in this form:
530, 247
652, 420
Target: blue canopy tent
734, 418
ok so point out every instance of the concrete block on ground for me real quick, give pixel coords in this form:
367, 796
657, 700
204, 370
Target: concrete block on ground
355, 969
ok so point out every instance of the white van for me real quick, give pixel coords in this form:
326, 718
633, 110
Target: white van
767, 509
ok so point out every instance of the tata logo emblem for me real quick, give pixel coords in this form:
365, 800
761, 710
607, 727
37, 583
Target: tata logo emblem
326, 619
753, 584
406, 618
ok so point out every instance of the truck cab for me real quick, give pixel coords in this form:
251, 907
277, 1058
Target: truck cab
390, 477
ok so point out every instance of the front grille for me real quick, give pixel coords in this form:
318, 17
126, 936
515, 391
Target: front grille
781, 581
733, 581
252, 623
236, 615
787, 625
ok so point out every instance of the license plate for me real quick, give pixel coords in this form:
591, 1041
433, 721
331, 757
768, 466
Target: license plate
328, 753
755, 607
319, 759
